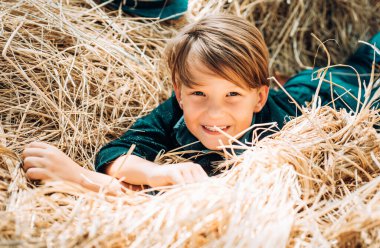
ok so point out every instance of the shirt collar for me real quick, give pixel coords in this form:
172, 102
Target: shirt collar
190, 142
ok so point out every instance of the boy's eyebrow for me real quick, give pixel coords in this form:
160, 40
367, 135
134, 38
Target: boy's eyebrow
195, 86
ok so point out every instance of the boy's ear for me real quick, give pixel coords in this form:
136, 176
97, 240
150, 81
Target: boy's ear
262, 92
177, 90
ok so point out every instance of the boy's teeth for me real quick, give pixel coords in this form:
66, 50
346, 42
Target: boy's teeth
212, 128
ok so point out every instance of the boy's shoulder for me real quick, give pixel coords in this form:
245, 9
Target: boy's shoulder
169, 111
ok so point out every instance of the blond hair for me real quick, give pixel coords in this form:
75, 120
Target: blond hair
227, 45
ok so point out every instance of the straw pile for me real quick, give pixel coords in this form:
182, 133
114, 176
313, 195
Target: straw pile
77, 75
287, 25
282, 192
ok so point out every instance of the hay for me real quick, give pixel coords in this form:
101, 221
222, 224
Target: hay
67, 70
287, 27
273, 188
77, 75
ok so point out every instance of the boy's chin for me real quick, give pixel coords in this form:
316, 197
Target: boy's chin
214, 146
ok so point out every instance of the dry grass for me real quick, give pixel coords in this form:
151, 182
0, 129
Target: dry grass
287, 26
77, 75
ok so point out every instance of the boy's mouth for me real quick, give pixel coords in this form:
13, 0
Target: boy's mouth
214, 129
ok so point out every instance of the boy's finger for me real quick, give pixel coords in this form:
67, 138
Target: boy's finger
187, 176
177, 178
198, 177
202, 173
38, 144
32, 152
32, 162
37, 174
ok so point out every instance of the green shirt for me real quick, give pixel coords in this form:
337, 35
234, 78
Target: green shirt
164, 128
151, 9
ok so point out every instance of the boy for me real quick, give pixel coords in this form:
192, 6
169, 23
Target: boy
219, 68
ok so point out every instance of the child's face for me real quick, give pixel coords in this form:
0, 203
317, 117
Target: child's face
216, 101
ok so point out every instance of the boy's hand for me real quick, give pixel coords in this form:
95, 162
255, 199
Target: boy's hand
41, 161
181, 173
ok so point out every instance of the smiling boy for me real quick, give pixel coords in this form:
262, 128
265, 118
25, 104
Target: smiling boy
219, 69
217, 102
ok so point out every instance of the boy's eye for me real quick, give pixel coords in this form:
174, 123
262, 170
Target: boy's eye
233, 94
198, 93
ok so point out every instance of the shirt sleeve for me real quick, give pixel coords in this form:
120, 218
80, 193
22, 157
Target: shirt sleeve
151, 134
341, 87
344, 91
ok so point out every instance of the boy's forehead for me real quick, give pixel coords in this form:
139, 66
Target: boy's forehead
198, 70
200, 75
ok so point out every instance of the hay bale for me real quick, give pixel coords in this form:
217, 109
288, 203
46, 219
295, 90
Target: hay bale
287, 27
272, 188
77, 75
74, 77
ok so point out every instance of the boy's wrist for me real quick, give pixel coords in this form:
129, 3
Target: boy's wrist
80, 178
133, 169
95, 181
149, 173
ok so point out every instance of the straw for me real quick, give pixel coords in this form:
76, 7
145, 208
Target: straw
77, 75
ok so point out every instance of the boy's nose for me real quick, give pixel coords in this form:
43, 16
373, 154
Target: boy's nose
215, 111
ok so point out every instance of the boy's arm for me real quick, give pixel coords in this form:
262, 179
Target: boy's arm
151, 134
94, 181
131, 169
43, 161
138, 171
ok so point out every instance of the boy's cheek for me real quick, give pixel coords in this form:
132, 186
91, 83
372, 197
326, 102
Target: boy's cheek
192, 111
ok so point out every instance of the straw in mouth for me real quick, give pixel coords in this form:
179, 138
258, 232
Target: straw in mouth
215, 130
